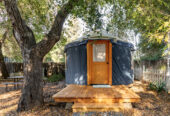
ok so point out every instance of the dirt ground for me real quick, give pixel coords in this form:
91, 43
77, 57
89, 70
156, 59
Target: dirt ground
152, 103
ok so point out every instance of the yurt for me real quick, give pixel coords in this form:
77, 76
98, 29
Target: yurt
99, 59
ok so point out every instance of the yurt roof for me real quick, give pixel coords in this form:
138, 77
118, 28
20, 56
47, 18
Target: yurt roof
98, 36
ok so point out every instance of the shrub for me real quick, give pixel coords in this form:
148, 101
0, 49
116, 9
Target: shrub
55, 78
157, 86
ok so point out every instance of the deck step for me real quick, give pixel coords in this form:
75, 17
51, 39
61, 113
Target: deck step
100, 107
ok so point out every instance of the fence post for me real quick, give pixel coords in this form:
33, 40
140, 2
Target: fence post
168, 72
168, 80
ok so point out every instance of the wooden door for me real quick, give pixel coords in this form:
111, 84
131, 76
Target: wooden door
99, 60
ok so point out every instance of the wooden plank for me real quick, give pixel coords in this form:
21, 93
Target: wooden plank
130, 93
110, 63
64, 92
101, 105
97, 100
75, 92
88, 63
83, 92
86, 107
64, 100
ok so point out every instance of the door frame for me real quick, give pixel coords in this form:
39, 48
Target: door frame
89, 61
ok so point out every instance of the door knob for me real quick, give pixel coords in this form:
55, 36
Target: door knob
107, 62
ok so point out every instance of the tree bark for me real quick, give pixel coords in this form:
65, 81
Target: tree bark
32, 94
33, 53
3, 68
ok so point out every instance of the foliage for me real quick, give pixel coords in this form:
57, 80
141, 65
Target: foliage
157, 86
71, 31
151, 49
151, 18
10, 48
57, 52
55, 78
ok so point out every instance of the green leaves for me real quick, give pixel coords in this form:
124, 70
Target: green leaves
151, 49
150, 18
150, 15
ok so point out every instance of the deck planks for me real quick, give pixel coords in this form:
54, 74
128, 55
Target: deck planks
100, 107
83, 94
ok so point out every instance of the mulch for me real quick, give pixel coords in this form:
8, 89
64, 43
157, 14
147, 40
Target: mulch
152, 103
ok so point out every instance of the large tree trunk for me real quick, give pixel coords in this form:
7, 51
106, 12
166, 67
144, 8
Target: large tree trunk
32, 92
33, 53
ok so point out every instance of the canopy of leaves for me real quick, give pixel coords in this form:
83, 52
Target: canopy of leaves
152, 50
9, 47
150, 18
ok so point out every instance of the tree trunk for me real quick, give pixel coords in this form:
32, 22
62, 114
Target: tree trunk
32, 92
3, 68
33, 53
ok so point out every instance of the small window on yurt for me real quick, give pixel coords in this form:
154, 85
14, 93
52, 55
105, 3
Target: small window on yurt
99, 52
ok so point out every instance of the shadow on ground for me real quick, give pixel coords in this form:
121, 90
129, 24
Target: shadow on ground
152, 103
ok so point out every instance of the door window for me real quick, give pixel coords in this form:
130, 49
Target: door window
99, 52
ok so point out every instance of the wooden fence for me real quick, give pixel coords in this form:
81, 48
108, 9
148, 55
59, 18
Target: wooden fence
151, 75
49, 69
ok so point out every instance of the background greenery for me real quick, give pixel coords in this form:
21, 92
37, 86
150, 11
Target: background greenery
148, 18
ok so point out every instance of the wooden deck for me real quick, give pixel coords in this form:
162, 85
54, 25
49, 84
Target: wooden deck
87, 98
81, 93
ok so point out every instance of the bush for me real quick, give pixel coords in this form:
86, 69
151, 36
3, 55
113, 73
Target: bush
157, 86
55, 78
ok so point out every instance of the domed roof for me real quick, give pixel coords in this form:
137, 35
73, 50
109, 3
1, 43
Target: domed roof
84, 40
97, 35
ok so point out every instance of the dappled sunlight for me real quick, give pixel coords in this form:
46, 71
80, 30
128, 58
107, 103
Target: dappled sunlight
138, 86
9, 101
79, 79
9, 94
151, 103
137, 89
8, 109
29, 67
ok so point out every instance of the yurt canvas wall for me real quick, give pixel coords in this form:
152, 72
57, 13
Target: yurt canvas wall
76, 63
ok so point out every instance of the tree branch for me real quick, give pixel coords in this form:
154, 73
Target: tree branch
44, 46
22, 33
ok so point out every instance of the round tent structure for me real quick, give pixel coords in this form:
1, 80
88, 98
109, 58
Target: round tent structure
99, 59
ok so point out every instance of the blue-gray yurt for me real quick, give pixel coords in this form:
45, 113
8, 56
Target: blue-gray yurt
99, 59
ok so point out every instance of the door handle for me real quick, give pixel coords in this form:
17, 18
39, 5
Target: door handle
107, 63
